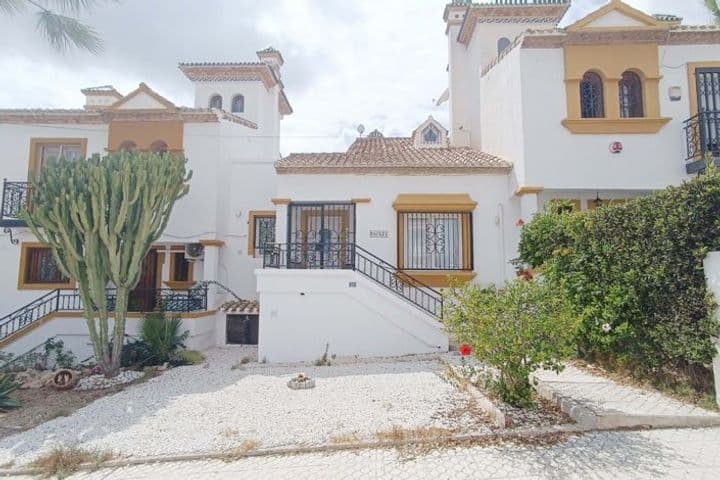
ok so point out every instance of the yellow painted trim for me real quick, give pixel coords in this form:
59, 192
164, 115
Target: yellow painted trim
434, 203
610, 62
36, 143
252, 215
442, 278
21, 333
650, 22
22, 284
360, 200
179, 284
280, 201
692, 84
212, 243
528, 190
598, 126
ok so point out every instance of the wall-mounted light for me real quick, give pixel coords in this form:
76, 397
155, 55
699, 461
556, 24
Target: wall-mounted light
675, 94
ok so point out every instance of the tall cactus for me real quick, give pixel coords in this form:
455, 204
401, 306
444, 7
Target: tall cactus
100, 218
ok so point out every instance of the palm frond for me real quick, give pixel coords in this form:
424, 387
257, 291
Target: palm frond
11, 6
64, 32
714, 8
70, 7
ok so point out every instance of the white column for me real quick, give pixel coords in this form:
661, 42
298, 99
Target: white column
211, 262
528, 206
711, 265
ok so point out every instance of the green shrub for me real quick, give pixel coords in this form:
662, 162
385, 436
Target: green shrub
187, 357
519, 329
633, 273
7, 386
162, 335
137, 354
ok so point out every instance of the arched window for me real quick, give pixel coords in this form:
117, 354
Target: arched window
502, 44
216, 102
238, 104
592, 101
631, 96
431, 135
128, 146
159, 146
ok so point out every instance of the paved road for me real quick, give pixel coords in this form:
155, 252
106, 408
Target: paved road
659, 454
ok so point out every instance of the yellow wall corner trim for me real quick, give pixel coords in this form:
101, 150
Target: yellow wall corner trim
601, 126
434, 202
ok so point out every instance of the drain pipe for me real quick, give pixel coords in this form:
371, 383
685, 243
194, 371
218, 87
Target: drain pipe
500, 221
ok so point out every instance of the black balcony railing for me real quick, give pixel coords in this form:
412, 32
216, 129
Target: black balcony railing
14, 197
702, 133
68, 300
348, 256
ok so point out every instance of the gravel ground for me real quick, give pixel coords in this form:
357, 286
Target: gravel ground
214, 407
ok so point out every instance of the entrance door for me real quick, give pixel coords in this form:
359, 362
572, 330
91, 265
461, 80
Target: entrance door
321, 235
144, 297
708, 92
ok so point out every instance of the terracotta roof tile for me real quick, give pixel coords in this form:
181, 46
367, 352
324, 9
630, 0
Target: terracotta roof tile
241, 307
392, 155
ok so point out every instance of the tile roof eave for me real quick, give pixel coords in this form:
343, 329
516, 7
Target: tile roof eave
390, 170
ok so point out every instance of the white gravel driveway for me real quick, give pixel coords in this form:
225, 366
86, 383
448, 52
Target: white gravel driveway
212, 407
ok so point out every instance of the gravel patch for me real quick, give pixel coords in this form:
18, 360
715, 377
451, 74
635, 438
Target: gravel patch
97, 382
214, 406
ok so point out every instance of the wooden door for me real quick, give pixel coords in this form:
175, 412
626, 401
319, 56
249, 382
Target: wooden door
144, 297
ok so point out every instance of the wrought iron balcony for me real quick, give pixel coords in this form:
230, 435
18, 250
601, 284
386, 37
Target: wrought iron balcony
702, 133
68, 300
14, 197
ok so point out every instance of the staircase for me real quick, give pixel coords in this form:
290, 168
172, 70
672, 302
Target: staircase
68, 300
348, 256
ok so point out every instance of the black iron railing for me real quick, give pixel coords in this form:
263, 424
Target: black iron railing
702, 133
348, 256
68, 300
14, 197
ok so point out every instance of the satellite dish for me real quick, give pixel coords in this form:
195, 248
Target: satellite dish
361, 129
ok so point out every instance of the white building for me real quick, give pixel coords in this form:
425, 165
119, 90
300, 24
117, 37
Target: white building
356, 244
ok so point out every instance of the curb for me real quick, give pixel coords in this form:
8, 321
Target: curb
467, 438
589, 419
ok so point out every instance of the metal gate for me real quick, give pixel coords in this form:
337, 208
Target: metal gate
321, 235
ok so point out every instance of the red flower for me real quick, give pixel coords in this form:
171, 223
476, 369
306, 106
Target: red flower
465, 350
520, 223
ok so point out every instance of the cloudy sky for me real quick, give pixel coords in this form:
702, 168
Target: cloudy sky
380, 63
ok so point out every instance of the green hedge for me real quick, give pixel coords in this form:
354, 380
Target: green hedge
633, 273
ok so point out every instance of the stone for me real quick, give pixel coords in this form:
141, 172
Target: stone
301, 382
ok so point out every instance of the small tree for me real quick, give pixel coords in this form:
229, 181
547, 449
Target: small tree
524, 327
100, 218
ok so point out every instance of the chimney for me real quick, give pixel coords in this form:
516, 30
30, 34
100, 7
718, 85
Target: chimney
271, 57
100, 98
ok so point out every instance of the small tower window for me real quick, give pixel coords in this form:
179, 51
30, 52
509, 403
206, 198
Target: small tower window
503, 45
431, 135
631, 96
159, 146
238, 104
128, 146
592, 100
216, 102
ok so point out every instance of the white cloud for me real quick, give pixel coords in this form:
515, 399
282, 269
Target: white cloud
379, 63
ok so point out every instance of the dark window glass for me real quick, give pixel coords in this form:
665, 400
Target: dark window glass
216, 102
181, 272
631, 96
238, 104
436, 241
592, 102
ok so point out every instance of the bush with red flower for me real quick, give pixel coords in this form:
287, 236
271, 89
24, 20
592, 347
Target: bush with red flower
518, 329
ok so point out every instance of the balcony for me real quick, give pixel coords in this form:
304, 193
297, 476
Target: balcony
702, 133
14, 197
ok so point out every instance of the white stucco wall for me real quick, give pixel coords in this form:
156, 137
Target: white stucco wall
490, 256
305, 310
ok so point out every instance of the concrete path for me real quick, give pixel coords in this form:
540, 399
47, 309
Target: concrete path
598, 402
659, 454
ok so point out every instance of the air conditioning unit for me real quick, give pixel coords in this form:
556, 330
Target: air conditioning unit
194, 252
